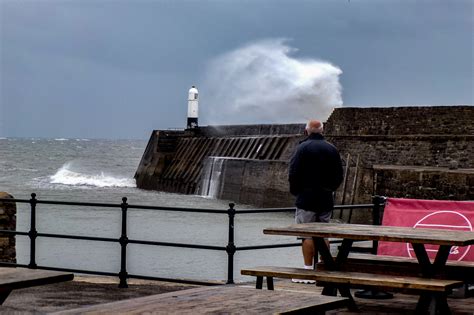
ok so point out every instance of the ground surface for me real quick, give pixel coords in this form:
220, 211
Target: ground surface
96, 290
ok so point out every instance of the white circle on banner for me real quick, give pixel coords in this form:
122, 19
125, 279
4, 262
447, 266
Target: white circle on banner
459, 222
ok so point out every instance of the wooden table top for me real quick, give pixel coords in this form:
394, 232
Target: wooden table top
376, 232
18, 278
217, 300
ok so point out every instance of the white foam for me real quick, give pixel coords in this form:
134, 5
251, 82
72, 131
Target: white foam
67, 177
61, 139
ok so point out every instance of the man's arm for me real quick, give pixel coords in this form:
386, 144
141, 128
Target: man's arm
294, 171
337, 172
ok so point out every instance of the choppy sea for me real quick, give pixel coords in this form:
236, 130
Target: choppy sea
89, 170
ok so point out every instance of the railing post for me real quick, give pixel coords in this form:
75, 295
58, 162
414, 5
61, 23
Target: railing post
378, 201
123, 245
230, 248
33, 233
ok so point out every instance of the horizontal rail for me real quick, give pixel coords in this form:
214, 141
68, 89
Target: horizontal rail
13, 232
113, 205
182, 245
177, 209
289, 209
78, 237
267, 246
197, 210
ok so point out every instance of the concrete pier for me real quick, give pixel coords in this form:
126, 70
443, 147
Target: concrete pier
430, 148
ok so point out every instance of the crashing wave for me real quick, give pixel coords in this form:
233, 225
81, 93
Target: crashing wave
67, 177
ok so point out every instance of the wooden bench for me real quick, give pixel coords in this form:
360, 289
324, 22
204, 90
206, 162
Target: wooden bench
395, 265
344, 280
220, 300
19, 278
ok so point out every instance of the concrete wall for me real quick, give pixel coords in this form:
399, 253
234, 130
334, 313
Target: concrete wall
417, 138
409, 141
7, 222
410, 120
261, 183
424, 183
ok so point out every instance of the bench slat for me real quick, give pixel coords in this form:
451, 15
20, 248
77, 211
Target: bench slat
395, 265
355, 278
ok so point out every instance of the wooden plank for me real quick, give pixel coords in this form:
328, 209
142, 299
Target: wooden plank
376, 232
356, 279
218, 300
394, 265
18, 278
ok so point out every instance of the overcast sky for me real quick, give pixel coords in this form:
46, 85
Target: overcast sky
119, 69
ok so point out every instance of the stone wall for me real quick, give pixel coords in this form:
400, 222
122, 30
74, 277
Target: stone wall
410, 152
409, 120
7, 222
408, 139
424, 183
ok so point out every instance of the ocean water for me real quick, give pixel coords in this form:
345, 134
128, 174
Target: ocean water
89, 170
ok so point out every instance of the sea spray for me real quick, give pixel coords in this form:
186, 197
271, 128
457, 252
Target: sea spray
66, 176
262, 83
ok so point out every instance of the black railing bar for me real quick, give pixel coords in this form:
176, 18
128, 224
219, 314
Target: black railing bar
91, 272
263, 210
177, 209
112, 205
267, 246
78, 237
66, 203
75, 203
186, 281
359, 206
92, 204
13, 232
266, 210
176, 245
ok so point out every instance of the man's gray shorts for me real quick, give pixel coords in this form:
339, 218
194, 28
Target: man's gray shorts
304, 216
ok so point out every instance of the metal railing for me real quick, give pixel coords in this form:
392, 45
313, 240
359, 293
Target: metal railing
123, 275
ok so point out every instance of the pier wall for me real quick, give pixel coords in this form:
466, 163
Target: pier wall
390, 151
409, 152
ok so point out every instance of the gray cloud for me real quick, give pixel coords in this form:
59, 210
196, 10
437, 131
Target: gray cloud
119, 69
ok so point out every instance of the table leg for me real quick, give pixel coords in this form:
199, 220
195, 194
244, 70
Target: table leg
423, 259
429, 269
441, 258
433, 304
323, 249
344, 251
437, 303
4, 293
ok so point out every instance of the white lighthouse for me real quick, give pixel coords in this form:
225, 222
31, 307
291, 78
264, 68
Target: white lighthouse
193, 108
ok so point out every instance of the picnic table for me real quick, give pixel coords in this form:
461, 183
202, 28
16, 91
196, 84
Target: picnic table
219, 300
430, 289
418, 238
19, 278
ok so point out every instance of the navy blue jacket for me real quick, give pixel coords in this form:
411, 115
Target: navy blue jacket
315, 172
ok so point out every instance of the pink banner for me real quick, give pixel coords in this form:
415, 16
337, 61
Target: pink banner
434, 214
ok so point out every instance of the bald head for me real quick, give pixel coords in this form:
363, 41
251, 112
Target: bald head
314, 126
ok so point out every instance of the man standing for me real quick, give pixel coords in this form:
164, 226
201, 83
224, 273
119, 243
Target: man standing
315, 172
